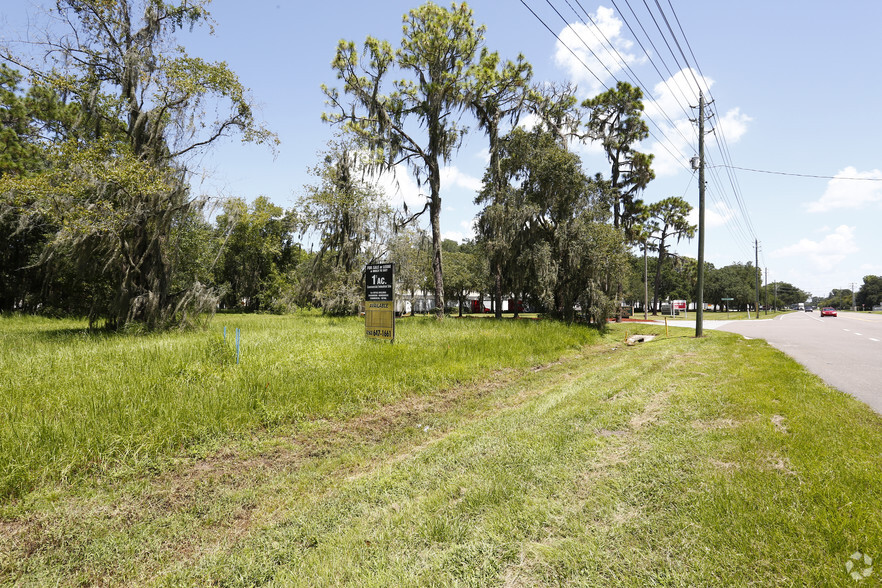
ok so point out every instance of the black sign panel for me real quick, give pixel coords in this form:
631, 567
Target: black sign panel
379, 282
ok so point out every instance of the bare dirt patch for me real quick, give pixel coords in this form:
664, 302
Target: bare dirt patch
778, 422
652, 411
714, 425
726, 466
779, 464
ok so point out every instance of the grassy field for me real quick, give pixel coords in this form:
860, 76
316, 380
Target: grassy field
530, 454
75, 403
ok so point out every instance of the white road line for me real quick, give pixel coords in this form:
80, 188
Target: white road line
847, 330
876, 340
858, 334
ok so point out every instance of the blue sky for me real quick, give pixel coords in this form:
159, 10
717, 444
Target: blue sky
796, 88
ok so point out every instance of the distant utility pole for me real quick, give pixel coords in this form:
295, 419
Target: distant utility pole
645, 283
767, 292
756, 245
853, 305
699, 315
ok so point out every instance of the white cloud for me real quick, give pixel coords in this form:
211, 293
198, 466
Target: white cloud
674, 105
451, 176
483, 156
453, 235
460, 236
401, 188
714, 216
670, 105
677, 96
826, 253
528, 123
586, 149
733, 125
589, 43
670, 157
470, 225
846, 193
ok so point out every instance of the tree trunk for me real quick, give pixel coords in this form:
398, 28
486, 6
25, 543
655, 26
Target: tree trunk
645, 284
661, 257
435, 217
497, 294
497, 183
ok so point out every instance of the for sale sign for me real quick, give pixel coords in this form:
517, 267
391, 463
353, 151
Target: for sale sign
379, 282
379, 301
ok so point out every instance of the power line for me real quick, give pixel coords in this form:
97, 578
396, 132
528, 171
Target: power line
674, 36
780, 173
739, 223
663, 37
623, 63
688, 46
746, 231
564, 44
587, 46
677, 157
671, 76
722, 143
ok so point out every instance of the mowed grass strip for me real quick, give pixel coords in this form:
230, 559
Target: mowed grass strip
680, 462
75, 404
676, 462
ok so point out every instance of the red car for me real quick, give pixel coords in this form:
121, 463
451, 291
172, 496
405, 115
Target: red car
828, 311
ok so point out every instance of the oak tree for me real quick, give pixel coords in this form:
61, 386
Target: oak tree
119, 180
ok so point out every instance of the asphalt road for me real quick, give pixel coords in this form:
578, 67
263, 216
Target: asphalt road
845, 351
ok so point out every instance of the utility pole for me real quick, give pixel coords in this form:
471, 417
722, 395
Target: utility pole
645, 281
756, 245
699, 315
853, 305
767, 292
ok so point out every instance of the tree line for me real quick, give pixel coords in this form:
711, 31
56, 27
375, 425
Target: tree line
868, 296
97, 217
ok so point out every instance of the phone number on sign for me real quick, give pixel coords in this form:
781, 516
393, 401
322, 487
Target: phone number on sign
387, 333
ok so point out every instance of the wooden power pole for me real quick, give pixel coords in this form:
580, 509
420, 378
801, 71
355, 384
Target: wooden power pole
699, 315
756, 246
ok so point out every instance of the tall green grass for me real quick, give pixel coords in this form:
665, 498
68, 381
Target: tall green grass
74, 403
